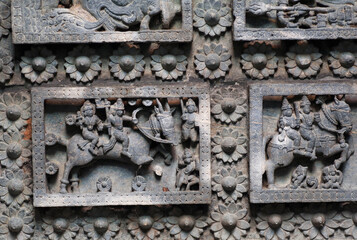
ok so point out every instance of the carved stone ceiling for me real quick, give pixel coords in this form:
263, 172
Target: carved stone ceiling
178, 119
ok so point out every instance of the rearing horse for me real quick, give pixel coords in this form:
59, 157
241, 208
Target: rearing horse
333, 137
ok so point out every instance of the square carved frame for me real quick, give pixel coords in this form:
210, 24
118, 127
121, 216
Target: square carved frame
257, 151
29, 27
242, 33
44, 199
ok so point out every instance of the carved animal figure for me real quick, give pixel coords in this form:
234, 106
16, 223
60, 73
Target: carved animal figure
139, 144
333, 138
121, 14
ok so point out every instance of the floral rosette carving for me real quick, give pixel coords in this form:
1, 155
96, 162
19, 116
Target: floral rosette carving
212, 17
318, 222
228, 222
213, 61
227, 106
14, 150
259, 61
6, 68
229, 145
127, 63
275, 223
303, 61
82, 64
145, 224
17, 224
229, 184
15, 187
5, 18
60, 224
185, 225
38, 65
101, 228
349, 223
15, 110
168, 64
342, 61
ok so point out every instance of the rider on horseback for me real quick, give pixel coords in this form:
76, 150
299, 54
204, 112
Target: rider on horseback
306, 127
87, 120
116, 120
288, 124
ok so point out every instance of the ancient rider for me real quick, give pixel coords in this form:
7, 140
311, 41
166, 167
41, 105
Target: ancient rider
288, 124
116, 120
189, 131
89, 123
306, 126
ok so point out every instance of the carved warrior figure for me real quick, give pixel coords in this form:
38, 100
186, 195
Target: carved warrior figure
189, 116
326, 133
331, 177
139, 140
116, 120
189, 166
309, 13
89, 123
298, 177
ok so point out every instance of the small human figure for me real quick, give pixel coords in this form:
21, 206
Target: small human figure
331, 177
189, 117
188, 168
116, 120
298, 177
299, 17
89, 123
288, 124
306, 126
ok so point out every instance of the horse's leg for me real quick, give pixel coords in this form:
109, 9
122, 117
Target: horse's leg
270, 169
75, 180
64, 181
335, 149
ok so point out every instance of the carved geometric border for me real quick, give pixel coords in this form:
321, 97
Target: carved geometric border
242, 33
257, 151
28, 27
44, 199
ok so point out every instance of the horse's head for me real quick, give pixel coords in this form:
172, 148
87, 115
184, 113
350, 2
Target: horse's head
166, 120
342, 113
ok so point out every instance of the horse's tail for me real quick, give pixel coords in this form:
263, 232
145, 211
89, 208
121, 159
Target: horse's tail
266, 140
52, 139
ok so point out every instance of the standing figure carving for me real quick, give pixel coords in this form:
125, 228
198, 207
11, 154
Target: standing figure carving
188, 168
189, 118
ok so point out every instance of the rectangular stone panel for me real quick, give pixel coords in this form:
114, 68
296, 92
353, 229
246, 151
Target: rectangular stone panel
130, 145
302, 142
284, 19
85, 21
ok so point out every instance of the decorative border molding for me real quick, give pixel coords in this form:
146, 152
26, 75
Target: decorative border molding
242, 33
256, 149
44, 199
28, 27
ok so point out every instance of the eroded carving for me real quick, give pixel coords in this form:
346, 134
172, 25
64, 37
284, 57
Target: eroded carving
154, 142
94, 20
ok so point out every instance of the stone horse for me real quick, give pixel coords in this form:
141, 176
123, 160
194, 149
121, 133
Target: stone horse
160, 123
122, 14
333, 138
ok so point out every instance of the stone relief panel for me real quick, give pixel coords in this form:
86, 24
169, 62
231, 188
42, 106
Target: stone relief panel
78, 21
302, 142
294, 19
140, 145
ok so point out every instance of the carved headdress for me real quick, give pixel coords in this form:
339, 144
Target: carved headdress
286, 105
87, 104
190, 102
305, 101
118, 105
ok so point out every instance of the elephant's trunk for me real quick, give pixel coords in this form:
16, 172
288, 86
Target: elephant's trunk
168, 11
